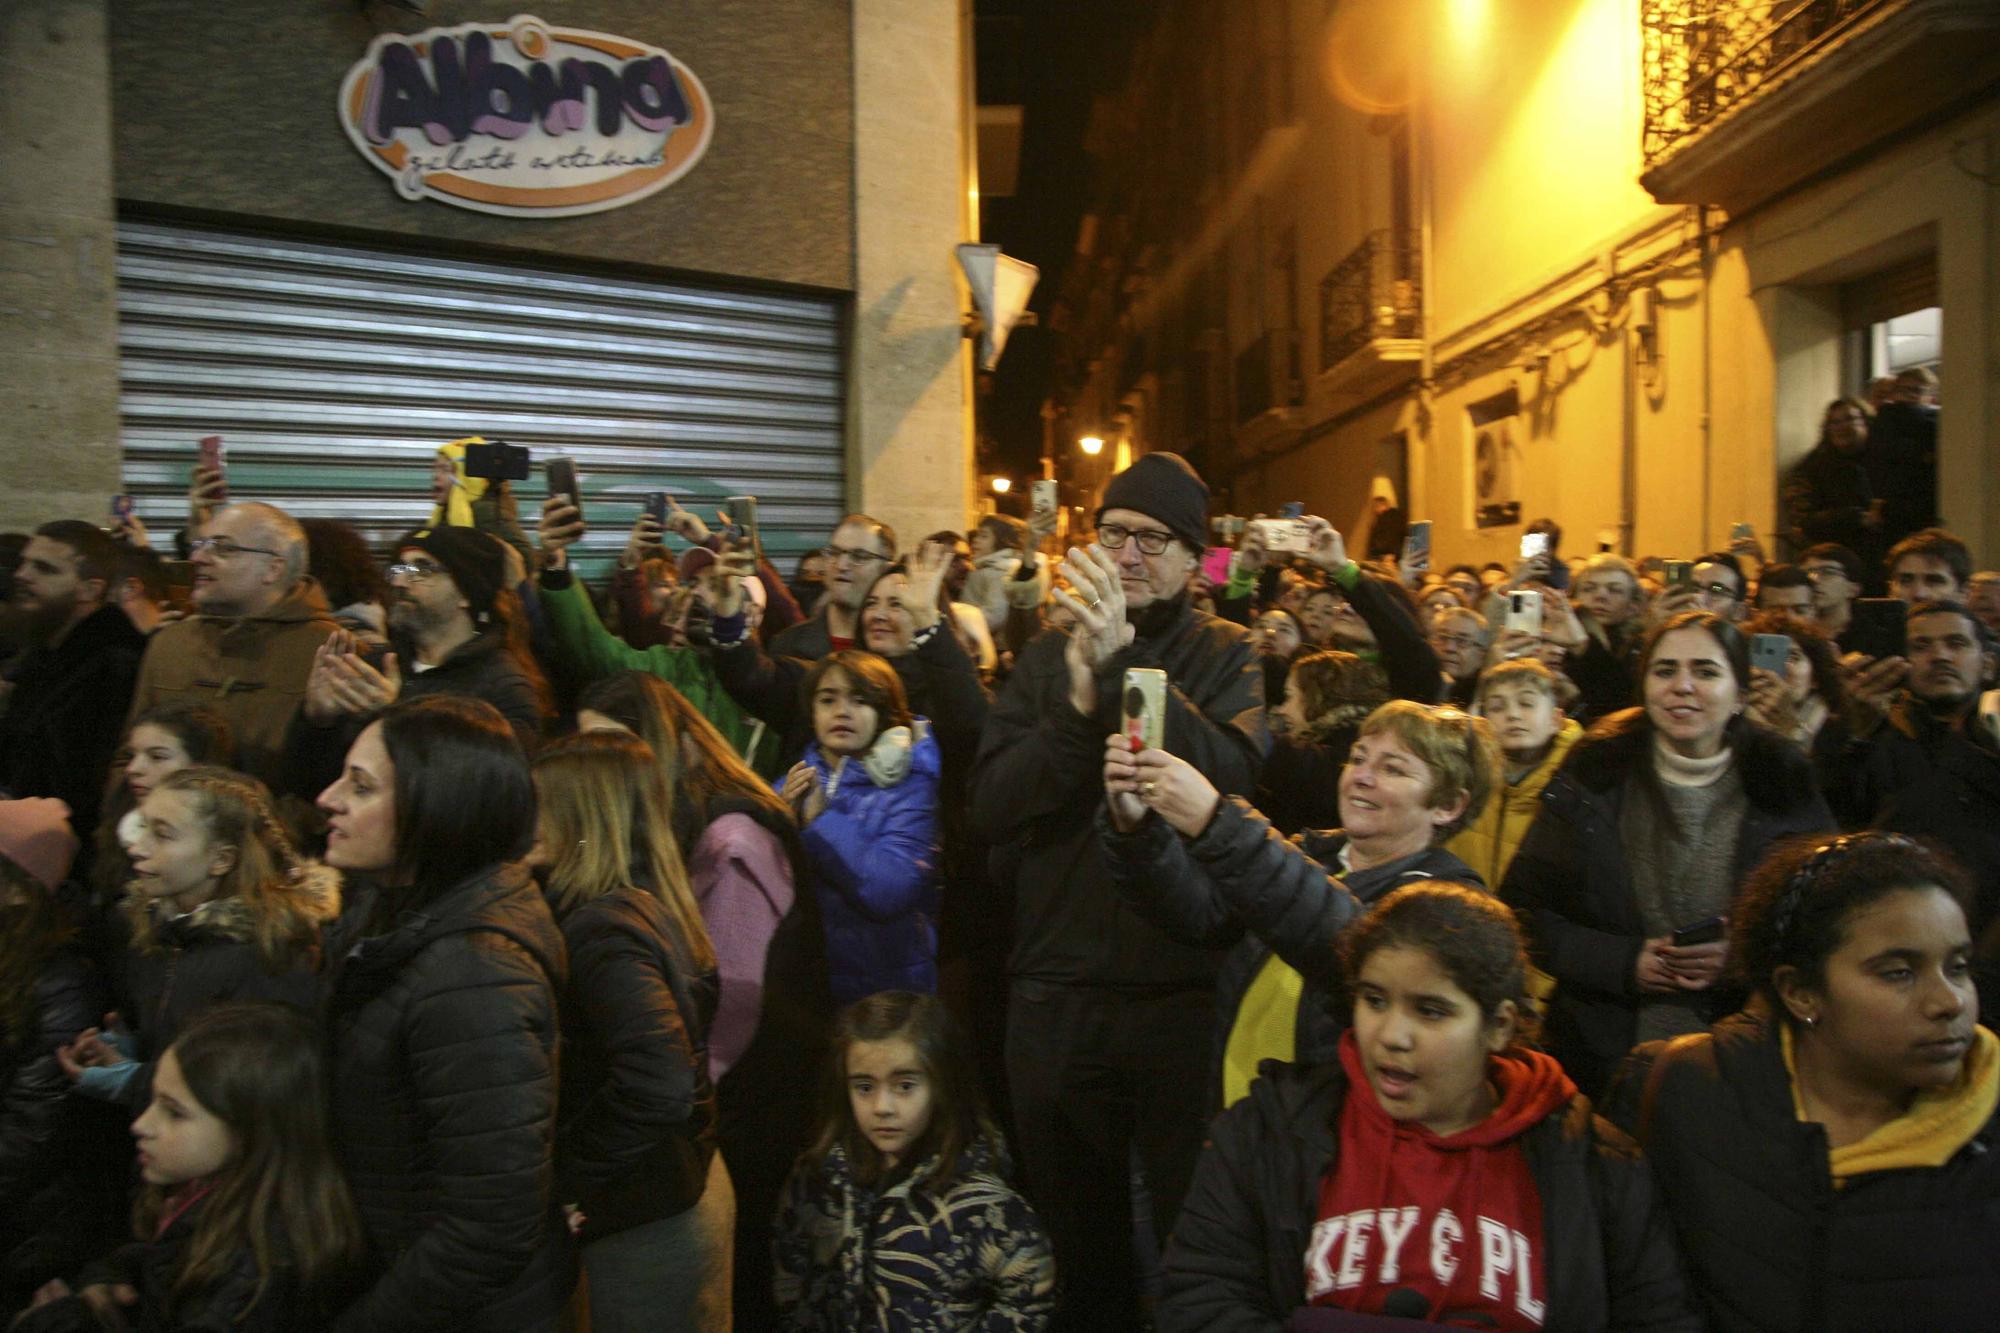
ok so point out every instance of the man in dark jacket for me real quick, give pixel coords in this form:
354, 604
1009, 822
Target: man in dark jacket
1925, 761
861, 548
1103, 1003
450, 629
1830, 496
72, 687
1901, 457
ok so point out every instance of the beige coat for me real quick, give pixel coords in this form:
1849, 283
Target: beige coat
251, 669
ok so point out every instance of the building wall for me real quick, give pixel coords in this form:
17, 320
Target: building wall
226, 112
1540, 236
233, 112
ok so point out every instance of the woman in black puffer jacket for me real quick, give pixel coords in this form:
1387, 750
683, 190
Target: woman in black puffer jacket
443, 1028
635, 1145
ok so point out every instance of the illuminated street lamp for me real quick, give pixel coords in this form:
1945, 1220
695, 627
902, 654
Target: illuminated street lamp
1001, 485
1091, 444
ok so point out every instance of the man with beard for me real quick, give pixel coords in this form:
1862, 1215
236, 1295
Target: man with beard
72, 684
1925, 759
1105, 1047
452, 630
248, 648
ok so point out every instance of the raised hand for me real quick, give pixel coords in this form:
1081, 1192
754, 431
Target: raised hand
1097, 601
1328, 549
928, 565
685, 524
561, 525
1177, 791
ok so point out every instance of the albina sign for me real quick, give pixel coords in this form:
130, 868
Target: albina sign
526, 119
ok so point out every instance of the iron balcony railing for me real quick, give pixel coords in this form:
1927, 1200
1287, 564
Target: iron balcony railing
1267, 375
1703, 57
1375, 292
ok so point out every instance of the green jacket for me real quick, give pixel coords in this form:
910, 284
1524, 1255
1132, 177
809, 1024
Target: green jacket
592, 652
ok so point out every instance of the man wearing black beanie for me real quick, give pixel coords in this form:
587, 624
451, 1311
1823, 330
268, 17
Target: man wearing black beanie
1109, 1020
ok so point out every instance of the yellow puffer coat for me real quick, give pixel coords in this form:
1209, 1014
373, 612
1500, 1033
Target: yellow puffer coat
1489, 842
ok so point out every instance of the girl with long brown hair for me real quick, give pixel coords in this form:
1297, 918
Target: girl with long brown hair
635, 1138
245, 1221
221, 907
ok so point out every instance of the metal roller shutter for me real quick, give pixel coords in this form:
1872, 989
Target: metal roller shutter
333, 372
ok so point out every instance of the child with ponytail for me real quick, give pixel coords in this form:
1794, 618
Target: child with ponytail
244, 1223
221, 907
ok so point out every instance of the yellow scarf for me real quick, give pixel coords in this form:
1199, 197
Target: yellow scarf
456, 511
1939, 1122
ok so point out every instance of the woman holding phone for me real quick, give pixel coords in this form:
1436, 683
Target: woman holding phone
1627, 878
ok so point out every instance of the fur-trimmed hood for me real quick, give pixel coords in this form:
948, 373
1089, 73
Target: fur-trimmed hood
310, 896
1776, 774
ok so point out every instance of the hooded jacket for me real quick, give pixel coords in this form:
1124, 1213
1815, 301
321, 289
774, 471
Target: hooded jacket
1237, 1261
1770, 1244
443, 1036
210, 955
1038, 787
1240, 883
873, 855
62, 722
251, 669
910, 1257
1489, 842
1571, 884
637, 1126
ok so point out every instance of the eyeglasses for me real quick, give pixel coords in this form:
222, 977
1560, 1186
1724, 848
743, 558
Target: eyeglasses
222, 548
1722, 590
852, 554
1818, 572
414, 573
1455, 641
1152, 541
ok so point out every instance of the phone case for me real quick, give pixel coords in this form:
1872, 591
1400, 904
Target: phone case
1524, 612
1146, 706
1045, 500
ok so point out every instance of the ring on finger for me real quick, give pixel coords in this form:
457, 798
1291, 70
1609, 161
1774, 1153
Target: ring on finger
1149, 786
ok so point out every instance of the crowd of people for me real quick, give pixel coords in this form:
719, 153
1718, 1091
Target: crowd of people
971, 935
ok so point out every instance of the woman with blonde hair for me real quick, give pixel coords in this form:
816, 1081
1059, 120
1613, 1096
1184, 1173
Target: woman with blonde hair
636, 1165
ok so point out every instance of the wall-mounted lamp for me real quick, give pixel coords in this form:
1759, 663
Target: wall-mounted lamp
1091, 444
1001, 485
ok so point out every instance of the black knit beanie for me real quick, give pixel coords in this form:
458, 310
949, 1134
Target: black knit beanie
1162, 486
476, 562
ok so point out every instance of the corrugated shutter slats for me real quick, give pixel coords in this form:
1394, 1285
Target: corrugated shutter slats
333, 372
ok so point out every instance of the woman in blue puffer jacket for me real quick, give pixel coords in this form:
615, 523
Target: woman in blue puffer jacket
867, 798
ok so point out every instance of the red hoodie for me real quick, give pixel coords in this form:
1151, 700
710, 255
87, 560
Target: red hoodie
1456, 1221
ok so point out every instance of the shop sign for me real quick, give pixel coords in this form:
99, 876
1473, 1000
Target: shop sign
525, 119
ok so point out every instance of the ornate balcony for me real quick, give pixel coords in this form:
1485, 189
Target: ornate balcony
1745, 98
1371, 315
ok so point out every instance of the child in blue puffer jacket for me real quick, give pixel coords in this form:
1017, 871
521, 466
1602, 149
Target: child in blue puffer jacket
866, 795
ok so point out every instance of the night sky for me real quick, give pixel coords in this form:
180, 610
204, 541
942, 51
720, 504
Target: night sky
1052, 57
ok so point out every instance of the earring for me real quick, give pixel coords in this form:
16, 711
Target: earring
1812, 1020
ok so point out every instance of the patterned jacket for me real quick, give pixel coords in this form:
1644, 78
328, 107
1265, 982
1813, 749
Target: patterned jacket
908, 1260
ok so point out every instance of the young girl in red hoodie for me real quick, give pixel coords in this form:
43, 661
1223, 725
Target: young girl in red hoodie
1439, 1170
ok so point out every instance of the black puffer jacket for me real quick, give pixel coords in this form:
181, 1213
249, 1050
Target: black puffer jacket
1241, 883
1572, 887
637, 1127
444, 1071
1770, 1244
210, 956
241, 1302
1038, 786
52, 1205
1237, 1260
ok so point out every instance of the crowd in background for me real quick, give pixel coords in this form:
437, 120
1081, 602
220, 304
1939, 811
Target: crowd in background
1587, 943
